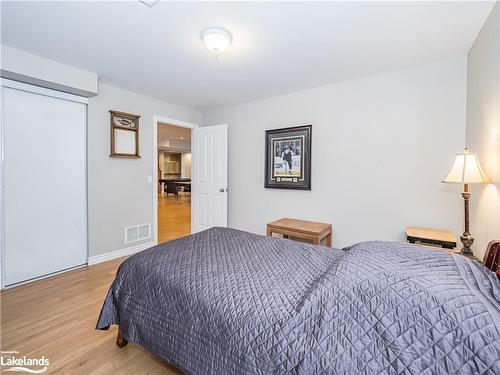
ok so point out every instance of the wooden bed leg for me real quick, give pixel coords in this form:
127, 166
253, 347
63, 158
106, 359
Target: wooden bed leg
120, 340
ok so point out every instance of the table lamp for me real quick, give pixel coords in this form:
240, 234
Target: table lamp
466, 170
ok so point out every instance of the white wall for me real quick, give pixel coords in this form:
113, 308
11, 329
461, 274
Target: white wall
26, 67
186, 166
483, 129
119, 194
380, 147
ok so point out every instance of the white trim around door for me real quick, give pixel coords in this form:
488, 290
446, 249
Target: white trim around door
169, 121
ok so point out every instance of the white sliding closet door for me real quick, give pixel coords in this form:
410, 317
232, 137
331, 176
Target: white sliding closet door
44, 200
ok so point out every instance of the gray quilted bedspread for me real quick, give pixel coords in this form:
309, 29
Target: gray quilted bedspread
230, 302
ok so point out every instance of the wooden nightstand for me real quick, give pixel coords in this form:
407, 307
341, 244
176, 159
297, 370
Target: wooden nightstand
428, 236
436, 239
308, 230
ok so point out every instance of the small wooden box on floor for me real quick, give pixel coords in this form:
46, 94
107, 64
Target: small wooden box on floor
307, 230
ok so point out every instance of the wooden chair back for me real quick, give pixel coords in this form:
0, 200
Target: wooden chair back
492, 257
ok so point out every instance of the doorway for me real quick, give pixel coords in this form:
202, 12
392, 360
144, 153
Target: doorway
173, 170
207, 195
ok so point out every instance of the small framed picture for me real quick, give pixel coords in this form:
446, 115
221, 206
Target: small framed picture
288, 158
124, 135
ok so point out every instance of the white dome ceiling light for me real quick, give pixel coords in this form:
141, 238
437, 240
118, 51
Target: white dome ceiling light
216, 39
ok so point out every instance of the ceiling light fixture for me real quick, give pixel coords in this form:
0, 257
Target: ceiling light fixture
216, 39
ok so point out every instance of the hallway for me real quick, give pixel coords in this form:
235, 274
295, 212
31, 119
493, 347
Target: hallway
174, 216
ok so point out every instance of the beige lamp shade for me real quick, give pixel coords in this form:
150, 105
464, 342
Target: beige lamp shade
466, 170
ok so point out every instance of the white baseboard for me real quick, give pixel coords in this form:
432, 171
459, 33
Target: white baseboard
119, 253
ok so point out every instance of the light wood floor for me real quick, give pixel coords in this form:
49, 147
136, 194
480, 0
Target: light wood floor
174, 216
56, 317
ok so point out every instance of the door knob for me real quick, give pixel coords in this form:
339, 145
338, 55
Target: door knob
221, 190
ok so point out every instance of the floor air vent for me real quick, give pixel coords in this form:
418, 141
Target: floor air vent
136, 233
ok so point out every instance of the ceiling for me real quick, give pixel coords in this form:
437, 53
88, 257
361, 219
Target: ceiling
174, 138
278, 47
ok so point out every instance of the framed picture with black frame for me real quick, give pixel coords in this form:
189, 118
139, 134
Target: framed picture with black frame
288, 158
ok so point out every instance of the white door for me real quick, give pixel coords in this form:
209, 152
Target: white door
44, 197
209, 190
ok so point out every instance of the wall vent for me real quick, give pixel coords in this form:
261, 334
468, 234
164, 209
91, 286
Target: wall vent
136, 233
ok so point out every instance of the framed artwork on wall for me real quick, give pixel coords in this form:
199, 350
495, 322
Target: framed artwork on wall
124, 135
288, 158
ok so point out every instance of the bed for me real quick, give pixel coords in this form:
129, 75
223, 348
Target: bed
225, 301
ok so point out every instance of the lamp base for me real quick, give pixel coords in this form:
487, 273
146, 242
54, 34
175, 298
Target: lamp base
467, 240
